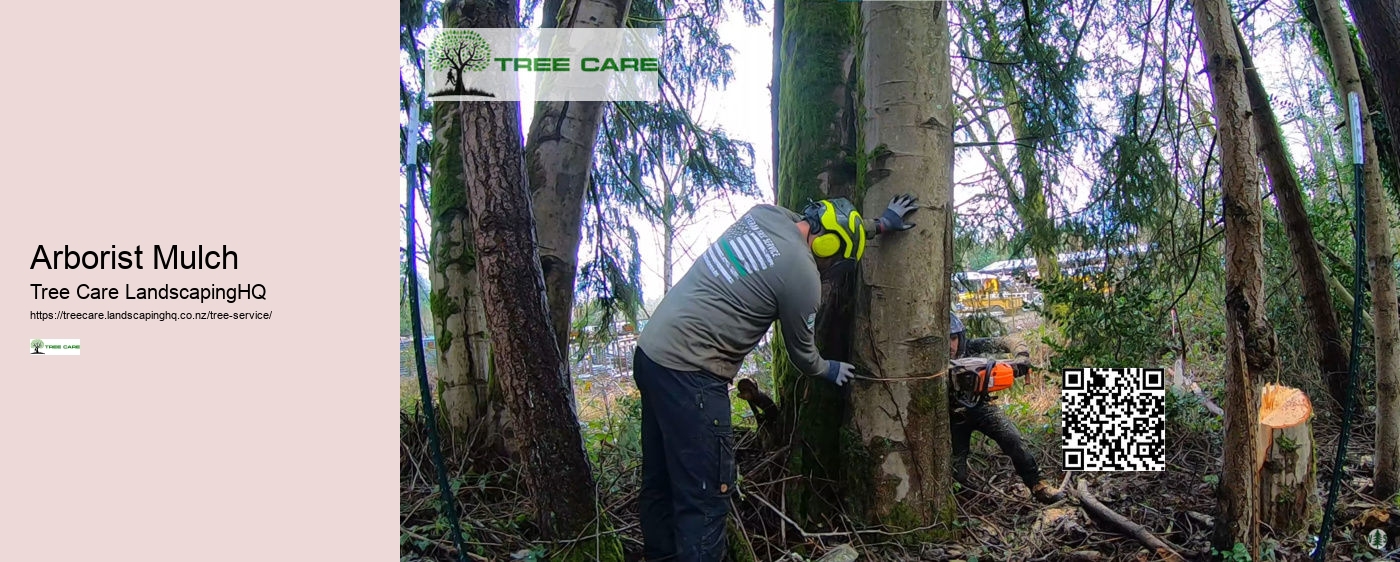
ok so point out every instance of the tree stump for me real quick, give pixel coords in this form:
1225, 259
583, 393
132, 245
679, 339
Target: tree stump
1287, 460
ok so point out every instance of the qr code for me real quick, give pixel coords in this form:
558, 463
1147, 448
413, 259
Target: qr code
1114, 419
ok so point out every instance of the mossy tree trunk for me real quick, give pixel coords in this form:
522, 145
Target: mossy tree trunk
816, 143
470, 395
1288, 193
1380, 258
1249, 340
899, 458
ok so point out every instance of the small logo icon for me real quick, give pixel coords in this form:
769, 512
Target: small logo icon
51, 347
458, 51
1376, 538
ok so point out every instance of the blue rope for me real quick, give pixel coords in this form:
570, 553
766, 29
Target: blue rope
449, 501
1358, 263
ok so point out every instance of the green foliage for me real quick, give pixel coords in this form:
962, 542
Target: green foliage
1187, 414
1240, 553
1126, 326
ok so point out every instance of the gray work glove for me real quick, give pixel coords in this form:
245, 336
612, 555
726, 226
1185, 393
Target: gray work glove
838, 373
893, 220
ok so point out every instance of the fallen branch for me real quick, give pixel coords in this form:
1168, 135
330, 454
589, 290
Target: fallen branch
1205, 400
1102, 513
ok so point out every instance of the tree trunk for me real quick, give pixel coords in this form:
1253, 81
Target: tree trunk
668, 261
534, 377
471, 397
1288, 480
559, 157
900, 428
816, 139
1249, 340
1312, 274
1380, 258
1030, 205
775, 86
463, 349
1379, 24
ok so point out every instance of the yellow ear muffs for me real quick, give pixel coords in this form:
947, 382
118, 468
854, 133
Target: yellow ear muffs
826, 245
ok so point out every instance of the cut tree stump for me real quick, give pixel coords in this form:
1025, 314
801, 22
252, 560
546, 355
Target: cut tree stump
1286, 462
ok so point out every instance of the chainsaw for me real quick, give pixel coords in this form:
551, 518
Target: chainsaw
974, 379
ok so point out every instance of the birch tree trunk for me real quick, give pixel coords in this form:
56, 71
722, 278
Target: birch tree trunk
1380, 259
559, 157
1249, 340
899, 464
1288, 193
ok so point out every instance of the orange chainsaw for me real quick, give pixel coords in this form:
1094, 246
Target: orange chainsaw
975, 378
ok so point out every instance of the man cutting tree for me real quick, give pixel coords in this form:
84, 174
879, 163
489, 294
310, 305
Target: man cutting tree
767, 266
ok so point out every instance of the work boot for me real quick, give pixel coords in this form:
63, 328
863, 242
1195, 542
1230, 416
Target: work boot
1043, 493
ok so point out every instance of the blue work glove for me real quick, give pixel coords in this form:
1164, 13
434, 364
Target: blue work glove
893, 220
838, 373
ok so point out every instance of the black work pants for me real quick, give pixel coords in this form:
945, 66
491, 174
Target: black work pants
989, 420
687, 462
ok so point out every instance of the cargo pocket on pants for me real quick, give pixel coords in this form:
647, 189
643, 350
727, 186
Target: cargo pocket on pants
725, 471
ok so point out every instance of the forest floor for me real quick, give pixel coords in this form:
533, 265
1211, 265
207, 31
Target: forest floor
998, 521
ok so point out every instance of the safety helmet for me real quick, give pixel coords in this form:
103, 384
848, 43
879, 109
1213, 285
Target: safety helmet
839, 229
956, 330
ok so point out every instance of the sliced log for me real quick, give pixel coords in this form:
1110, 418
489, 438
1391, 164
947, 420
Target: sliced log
1106, 516
1287, 463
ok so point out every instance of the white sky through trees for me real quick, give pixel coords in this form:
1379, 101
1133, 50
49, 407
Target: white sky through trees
743, 110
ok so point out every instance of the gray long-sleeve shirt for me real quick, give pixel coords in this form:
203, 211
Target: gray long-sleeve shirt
760, 270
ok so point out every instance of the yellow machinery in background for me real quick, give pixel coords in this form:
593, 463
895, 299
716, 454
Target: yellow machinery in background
984, 293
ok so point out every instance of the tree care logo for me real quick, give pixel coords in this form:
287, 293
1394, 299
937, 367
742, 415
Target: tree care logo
50, 346
456, 52
512, 64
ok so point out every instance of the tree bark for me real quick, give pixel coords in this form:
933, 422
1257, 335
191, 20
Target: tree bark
559, 157
900, 427
471, 396
1378, 22
816, 122
1288, 480
1249, 340
1288, 193
775, 86
1380, 258
534, 377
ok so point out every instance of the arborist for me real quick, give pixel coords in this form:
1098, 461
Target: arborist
767, 266
974, 380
